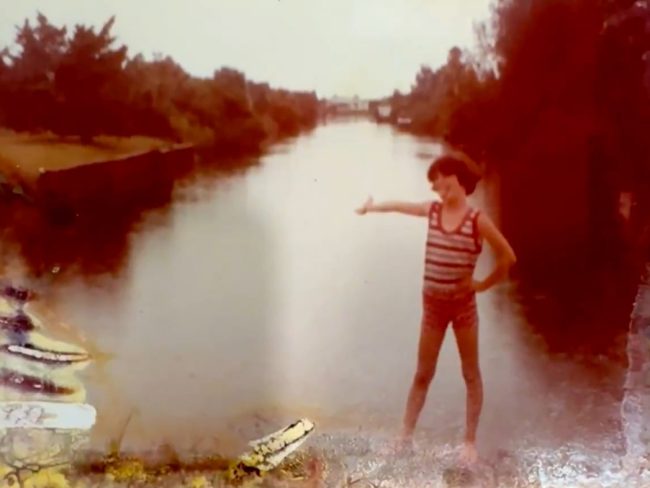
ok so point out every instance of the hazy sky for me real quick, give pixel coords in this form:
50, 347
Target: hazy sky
345, 47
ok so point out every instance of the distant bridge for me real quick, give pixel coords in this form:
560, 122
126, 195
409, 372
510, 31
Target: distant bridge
379, 110
347, 106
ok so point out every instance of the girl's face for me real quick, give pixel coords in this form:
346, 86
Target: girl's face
447, 187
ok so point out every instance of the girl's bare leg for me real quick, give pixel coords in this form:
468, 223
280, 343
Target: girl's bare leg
431, 338
467, 341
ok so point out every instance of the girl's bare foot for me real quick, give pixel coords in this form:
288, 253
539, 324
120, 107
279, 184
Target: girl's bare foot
468, 454
402, 446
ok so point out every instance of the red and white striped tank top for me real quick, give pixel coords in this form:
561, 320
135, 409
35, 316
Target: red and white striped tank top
450, 255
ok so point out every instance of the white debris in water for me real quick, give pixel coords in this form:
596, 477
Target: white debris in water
46, 415
46, 355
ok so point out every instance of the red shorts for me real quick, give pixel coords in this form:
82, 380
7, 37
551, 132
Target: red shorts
438, 312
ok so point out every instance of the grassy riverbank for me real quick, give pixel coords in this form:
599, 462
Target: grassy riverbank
27, 155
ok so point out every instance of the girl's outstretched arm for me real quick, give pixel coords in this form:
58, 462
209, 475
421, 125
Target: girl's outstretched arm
418, 209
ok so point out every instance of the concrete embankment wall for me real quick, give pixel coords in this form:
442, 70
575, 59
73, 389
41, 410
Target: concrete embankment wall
81, 217
107, 187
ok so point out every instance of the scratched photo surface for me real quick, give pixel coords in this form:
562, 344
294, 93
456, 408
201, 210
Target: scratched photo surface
183, 270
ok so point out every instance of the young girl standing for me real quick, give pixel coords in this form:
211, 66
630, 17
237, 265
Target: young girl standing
456, 232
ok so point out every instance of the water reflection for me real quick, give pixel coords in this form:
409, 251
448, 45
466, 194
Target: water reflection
190, 333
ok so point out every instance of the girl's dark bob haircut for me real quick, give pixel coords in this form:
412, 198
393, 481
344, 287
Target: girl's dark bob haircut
454, 166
